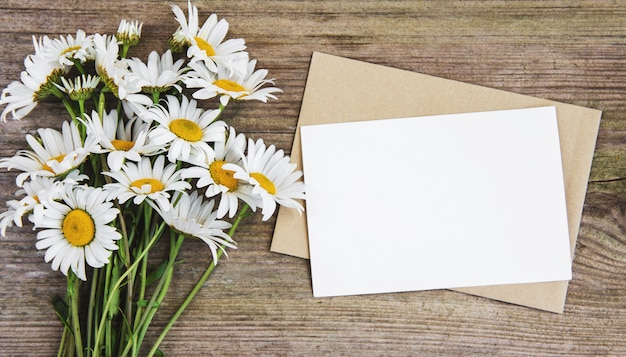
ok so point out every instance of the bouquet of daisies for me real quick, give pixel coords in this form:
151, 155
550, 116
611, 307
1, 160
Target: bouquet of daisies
139, 161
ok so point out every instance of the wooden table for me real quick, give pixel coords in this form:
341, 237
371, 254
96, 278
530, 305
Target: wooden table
260, 303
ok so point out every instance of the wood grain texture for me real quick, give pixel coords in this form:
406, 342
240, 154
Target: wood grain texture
260, 303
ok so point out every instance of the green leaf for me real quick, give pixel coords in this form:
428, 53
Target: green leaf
61, 309
115, 293
144, 303
159, 353
156, 274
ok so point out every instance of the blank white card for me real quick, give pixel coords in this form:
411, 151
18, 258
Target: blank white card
435, 202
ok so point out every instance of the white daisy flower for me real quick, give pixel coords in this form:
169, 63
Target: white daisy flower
187, 129
160, 73
37, 83
41, 46
121, 140
145, 180
10, 216
209, 46
76, 230
181, 38
218, 176
67, 49
53, 154
81, 88
239, 86
39, 190
207, 42
272, 176
114, 71
33, 193
129, 33
194, 217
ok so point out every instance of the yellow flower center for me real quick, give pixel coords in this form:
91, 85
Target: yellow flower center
122, 145
186, 129
223, 177
155, 185
228, 85
70, 49
205, 46
78, 228
57, 159
264, 182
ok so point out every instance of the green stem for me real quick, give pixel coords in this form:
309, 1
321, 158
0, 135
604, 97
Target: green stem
125, 257
81, 107
92, 306
107, 342
161, 289
101, 102
106, 293
69, 108
119, 282
125, 49
79, 66
81, 126
97, 307
73, 286
199, 284
155, 97
132, 340
142, 286
146, 210
64, 341
221, 110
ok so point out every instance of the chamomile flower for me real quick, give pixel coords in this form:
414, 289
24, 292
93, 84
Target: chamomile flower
114, 72
181, 38
76, 230
207, 42
37, 83
145, 180
39, 190
28, 203
108, 65
194, 217
121, 140
42, 45
239, 86
218, 177
67, 49
129, 33
272, 176
10, 217
160, 73
81, 88
187, 129
33, 194
53, 154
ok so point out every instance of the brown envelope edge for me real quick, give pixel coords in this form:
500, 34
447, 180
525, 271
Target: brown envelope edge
344, 90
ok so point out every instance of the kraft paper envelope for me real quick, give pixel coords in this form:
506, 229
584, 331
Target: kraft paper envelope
341, 89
